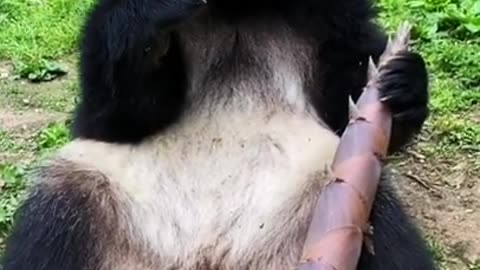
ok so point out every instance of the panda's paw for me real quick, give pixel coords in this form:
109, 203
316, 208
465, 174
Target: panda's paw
404, 89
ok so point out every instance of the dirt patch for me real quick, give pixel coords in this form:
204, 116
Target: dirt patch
475, 115
444, 196
5, 70
27, 120
58, 95
26, 108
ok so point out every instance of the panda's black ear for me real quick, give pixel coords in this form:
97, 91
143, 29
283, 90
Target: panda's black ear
58, 228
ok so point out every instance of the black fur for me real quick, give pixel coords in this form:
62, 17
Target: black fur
128, 95
404, 90
396, 240
54, 232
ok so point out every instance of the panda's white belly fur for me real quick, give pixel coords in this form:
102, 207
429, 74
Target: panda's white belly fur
229, 188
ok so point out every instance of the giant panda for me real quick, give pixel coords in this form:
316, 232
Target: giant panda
204, 135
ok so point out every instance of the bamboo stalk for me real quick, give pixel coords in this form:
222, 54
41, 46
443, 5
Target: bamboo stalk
339, 225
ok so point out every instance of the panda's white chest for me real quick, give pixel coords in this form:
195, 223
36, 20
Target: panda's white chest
219, 185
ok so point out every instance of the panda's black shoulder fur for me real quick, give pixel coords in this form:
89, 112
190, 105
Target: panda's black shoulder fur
133, 75
125, 94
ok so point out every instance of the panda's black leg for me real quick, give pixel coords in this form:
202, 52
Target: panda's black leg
397, 242
404, 89
132, 74
66, 224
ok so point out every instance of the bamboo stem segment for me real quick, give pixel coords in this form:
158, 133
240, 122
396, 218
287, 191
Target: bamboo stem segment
339, 227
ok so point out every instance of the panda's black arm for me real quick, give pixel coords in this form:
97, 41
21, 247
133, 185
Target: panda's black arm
132, 74
405, 92
405, 89
346, 73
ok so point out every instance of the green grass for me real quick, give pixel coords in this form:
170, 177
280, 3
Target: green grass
447, 33
437, 250
442, 255
7, 143
34, 32
52, 137
475, 266
12, 186
12, 176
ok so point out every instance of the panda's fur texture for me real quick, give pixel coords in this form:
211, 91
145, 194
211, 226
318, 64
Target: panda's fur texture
205, 134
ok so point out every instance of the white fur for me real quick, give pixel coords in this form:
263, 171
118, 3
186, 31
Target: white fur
212, 171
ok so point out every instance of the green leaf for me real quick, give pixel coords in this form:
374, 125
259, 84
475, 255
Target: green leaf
476, 8
474, 28
3, 214
416, 4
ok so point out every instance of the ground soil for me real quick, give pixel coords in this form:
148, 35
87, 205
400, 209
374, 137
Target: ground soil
443, 194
